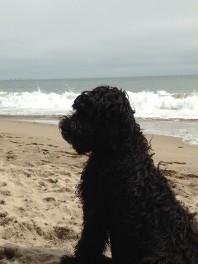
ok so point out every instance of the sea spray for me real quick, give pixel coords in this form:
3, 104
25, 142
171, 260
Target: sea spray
147, 104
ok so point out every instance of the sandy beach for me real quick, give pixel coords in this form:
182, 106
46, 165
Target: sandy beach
40, 215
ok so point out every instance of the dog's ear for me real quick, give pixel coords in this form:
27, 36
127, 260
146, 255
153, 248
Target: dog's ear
117, 123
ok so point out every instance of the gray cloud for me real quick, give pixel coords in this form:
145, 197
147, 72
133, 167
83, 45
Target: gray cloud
89, 38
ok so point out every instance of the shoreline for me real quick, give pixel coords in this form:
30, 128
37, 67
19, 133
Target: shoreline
186, 130
164, 146
40, 214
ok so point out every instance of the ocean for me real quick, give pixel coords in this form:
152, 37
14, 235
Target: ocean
165, 105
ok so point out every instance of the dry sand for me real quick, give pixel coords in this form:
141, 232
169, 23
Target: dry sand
40, 215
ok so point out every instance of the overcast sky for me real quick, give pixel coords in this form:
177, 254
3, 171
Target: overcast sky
97, 38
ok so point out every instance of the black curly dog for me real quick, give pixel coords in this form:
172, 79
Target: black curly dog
126, 200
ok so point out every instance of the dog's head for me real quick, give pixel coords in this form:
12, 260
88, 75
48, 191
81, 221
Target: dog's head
102, 119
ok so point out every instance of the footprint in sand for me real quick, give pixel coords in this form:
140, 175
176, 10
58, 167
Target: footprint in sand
49, 199
3, 184
2, 202
52, 180
8, 251
16, 254
10, 155
3, 214
5, 192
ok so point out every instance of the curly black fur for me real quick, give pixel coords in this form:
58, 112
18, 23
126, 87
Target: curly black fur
125, 198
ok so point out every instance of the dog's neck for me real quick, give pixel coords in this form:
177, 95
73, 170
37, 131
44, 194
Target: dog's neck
134, 148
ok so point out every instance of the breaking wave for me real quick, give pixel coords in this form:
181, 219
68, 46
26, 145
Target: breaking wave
154, 105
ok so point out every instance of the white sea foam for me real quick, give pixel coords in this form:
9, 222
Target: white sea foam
155, 105
163, 105
36, 103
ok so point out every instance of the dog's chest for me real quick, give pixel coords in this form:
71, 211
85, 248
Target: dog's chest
95, 182
100, 183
